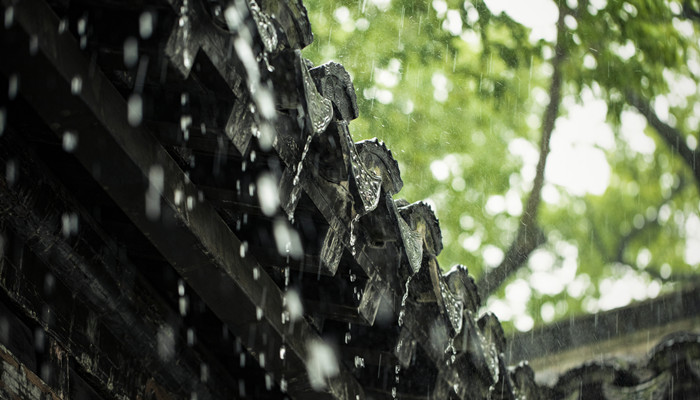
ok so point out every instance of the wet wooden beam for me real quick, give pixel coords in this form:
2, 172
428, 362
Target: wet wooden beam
189, 233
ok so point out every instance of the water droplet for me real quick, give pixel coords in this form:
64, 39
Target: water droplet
283, 351
3, 120
62, 26
256, 273
146, 25
283, 385
9, 17
182, 305
70, 141
348, 337
243, 249
190, 337
82, 25
131, 52
177, 196
76, 85
393, 392
12, 86
261, 360
134, 110
258, 313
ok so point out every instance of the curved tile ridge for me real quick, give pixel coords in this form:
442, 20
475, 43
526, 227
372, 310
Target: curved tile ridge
670, 371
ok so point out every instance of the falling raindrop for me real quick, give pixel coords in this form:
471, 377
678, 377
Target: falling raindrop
204, 373
321, 365
177, 197
258, 313
134, 110
146, 25
62, 26
190, 337
183, 305
256, 273
69, 224
283, 352
12, 86
166, 343
70, 141
9, 17
155, 187
131, 52
3, 120
268, 382
11, 173
283, 385
76, 85
243, 249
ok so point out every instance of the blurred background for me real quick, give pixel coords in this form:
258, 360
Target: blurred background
557, 142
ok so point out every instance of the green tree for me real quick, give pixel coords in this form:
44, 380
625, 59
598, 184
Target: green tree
468, 100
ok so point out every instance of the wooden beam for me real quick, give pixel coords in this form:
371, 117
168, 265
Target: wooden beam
190, 234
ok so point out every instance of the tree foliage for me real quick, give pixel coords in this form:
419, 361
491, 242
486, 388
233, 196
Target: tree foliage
463, 94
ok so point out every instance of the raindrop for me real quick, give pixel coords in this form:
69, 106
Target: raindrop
283, 351
49, 283
393, 392
261, 360
268, 382
131, 51
177, 196
62, 26
256, 273
33, 45
135, 110
9, 17
293, 304
11, 172
82, 25
252, 156
146, 25
39, 340
185, 122
348, 337
268, 195
76, 85
190, 337
251, 189
166, 343
283, 385
155, 187
186, 59
241, 387
353, 277
181, 287
69, 224
183, 306
70, 141
184, 99
258, 313
359, 362
4, 329
204, 373
3, 120
243, 249
12, 86
241, 360
190, 203
321, 365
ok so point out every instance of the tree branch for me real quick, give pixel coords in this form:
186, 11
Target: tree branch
529, 235
672, 136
